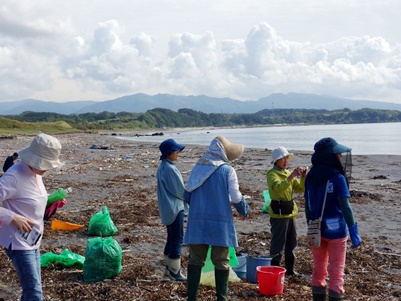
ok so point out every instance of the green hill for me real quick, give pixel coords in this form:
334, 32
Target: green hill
16, 127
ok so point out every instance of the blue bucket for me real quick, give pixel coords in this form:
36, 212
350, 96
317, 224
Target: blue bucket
240, 268
252, 262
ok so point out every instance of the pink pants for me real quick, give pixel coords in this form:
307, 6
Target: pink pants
331, 254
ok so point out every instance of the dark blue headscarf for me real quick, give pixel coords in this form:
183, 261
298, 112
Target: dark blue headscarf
324, 167
325, 163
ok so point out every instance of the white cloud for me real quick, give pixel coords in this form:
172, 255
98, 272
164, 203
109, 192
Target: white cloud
190, 48
143, 43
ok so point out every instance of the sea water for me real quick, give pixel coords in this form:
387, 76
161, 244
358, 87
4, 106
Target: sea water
364, 139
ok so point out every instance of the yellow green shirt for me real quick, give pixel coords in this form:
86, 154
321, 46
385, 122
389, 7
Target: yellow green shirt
281, 189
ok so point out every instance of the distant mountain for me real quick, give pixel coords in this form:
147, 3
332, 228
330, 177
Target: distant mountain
312, 101
142, 102
17, 107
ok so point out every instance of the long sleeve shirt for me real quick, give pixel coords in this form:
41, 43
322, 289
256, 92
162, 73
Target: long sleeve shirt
22, 192
170, 191
210, 219
281, 189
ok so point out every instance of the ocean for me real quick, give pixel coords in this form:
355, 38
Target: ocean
364, 139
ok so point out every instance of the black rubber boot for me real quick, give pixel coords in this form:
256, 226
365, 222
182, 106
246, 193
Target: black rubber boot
334, 296
193, 278
221, 277
319, 293
319, 296
289, 266
275, 260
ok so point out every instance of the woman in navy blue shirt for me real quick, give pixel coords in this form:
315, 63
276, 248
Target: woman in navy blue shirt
329, 171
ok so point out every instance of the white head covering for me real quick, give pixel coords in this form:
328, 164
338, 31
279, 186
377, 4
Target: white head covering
43, 153
281, 152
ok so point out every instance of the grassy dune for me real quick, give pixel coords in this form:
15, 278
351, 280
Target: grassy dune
10, 127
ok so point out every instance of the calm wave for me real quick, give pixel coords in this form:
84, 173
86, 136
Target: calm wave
364, 139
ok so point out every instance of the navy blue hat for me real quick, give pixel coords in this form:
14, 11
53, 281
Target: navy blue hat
15, 155
330, 146
168, 146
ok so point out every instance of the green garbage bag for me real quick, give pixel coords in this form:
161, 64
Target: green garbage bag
66, 258
266, 197
101, 224
103, 259
209, 264
207, 275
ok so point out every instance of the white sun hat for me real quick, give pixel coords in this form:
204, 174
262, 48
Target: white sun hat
281, 152
43, 153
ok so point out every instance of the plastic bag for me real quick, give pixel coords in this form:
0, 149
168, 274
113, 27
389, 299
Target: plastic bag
103, 258
209, 264
266, 197
51, 210
66, 258
101, 224
207, 276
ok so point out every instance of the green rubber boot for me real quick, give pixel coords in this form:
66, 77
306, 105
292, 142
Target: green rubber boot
221, 277
193, 278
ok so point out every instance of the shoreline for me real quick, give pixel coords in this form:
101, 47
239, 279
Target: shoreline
362, 138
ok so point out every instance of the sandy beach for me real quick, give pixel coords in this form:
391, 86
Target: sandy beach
123, 179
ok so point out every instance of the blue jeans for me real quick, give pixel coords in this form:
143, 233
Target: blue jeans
175, 237
27, 265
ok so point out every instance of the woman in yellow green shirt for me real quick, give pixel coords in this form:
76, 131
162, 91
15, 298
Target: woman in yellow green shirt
282, 183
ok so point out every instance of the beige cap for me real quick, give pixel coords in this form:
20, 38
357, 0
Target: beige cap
233, 151
43, 153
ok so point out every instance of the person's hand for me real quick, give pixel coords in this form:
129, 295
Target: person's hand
295, 173
22, 223
304, 171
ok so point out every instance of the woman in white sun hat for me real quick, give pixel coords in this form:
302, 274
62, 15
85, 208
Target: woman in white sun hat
282, 210
24, 198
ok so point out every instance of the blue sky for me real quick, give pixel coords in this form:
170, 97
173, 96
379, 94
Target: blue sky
79, 49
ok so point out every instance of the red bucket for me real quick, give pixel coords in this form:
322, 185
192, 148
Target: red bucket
270, 280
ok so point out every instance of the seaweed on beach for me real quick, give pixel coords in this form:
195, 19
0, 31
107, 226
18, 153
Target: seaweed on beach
128, 189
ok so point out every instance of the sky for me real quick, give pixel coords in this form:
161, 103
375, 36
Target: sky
55, 50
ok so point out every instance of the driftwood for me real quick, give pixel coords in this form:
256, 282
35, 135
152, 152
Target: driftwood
389, 254
7, 137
